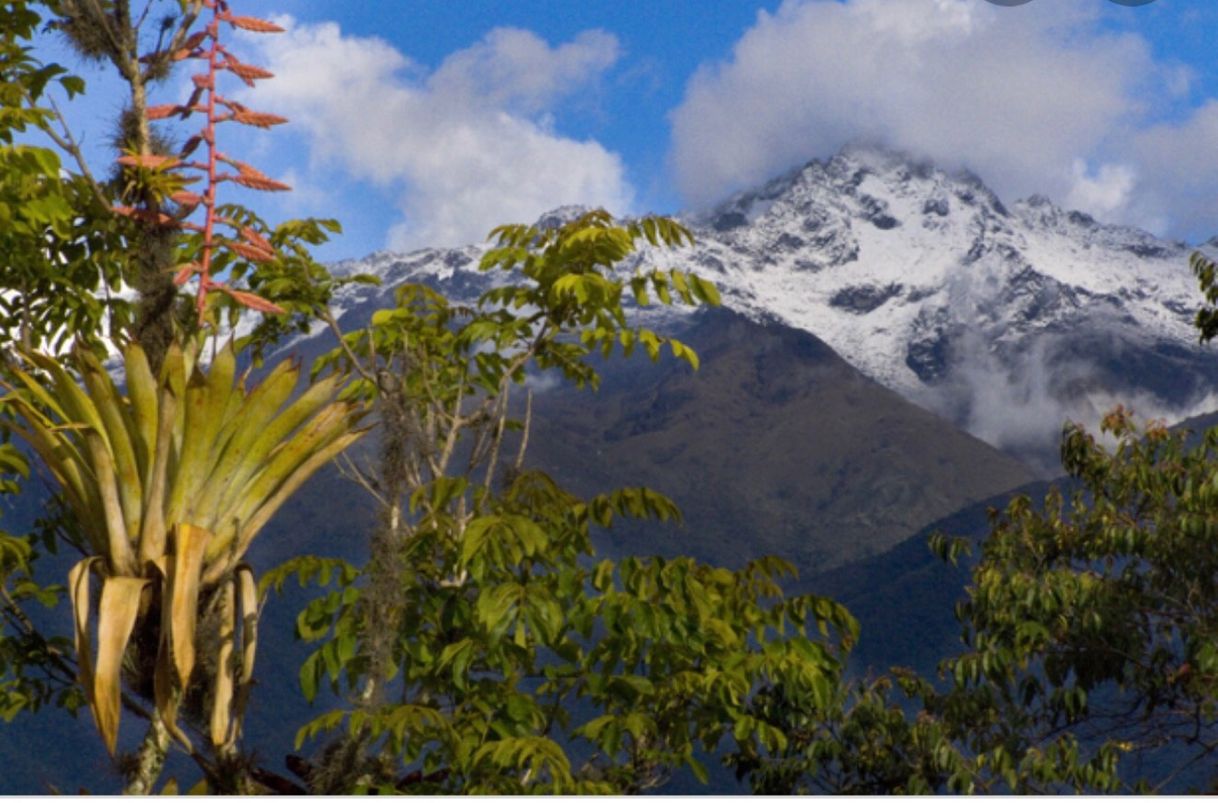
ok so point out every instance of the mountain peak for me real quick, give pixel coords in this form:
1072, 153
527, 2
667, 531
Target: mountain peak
872, 175
1005, 321
924, 280
558, 216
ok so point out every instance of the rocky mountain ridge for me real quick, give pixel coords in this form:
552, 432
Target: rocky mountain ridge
1005, 319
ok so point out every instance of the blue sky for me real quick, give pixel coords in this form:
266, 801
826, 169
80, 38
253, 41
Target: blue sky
426, 123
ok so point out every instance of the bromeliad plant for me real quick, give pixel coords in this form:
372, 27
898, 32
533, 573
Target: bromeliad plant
171, 478
171, 482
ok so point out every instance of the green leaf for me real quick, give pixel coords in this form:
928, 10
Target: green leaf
310, 674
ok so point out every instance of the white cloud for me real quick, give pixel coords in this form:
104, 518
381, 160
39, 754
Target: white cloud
1103, 193
513, 68
467, 146
1180, 160
1018, 95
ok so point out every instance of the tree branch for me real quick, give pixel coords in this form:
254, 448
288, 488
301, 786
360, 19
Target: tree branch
328, 316
524, 432
69, 145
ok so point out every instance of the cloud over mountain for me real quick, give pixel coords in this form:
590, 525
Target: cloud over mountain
1042, 97
465, 146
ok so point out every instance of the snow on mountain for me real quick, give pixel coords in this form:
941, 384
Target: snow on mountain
1004, 319
1007, 320
888, 261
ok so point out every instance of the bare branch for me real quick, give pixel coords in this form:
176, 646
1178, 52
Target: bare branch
328, 316
18, 614
524, 432
143, 15
482, 440
349, 470
69, 145
454, 430
500, 424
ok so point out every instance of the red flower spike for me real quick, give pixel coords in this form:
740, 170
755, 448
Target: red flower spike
190, 46
246, 169
194, 40
206, 100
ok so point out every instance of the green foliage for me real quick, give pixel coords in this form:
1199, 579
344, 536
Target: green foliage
566, 303
35, 669
1100, 612
57, 244
1089, 630
485, 649
1207, 317
1089, 661
948, 549
26, 79
511, 652
861, 741
291, 278
573, 288
517, 653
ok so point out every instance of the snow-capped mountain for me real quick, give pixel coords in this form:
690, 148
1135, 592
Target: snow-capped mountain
885, 259
1006, 319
